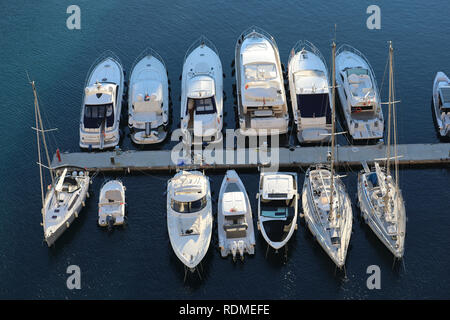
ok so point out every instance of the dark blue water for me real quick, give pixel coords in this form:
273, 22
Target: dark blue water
137, 261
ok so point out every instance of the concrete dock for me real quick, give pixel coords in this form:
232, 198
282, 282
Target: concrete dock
167, 160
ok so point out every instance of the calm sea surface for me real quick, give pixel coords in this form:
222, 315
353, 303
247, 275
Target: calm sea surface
137, 261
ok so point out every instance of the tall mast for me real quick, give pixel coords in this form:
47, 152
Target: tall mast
40, 130
388, 150
38, 140
333, 116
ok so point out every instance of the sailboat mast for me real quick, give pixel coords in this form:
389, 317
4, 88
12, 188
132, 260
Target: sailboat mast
333, 129
388, 150
38, 140
394, 119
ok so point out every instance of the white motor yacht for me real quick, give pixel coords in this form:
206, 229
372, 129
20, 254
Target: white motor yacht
234, 218
102, 104
310, 93
189, 216
111, 204
277, 207
202, 94
148, 99
359, 95
441, 103
261, 97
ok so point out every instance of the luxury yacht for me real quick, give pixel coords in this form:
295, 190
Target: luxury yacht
234, 218
310, 93
148, 99
277, 207
63, 202
260, 90
441, 103
111, 204
359, 95
326, 205
380, 198
102, 104
189, 216
202, 94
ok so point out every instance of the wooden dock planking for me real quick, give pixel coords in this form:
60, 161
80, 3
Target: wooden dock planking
160, 160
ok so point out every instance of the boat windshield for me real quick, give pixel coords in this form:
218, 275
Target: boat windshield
188, 207
203, 105
95, 114
277, 208
358, 71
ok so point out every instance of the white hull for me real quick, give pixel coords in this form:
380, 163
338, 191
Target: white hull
278, 231
190, 233
442, 118
148, 120
261, 97
202, 80
237, 237
310, 93
109, 73
111, 204
334, 240
389, 226
62, 207
357, 95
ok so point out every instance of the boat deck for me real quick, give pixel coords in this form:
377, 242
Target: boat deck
162, 160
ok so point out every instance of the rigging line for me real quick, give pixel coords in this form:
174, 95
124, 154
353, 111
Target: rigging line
384, 75
46, 118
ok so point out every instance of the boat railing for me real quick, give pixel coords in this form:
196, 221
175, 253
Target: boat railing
257, 30
309, 46
147, 52
346, 47
202, 41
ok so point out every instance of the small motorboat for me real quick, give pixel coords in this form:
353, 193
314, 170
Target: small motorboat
102, 104
189, 216
111, 204
310, 93
202, 94
441, 103
234, 218
277, 207
358, 92
261, 97
148, 99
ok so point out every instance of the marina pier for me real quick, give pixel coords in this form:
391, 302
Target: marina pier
162, 160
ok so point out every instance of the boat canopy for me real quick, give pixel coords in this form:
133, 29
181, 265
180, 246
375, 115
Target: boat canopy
201, 87
234, 203
278, 187
444, 95
188, 187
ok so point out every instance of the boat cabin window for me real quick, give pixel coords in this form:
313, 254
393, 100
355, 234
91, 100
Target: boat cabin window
202, 106
260, 72
277, 208
444, 107
188, 207
358, 71
95, 114
310, 73
314, 105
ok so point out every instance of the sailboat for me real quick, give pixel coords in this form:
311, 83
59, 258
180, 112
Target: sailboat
326, 204
67, 192
379, 195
